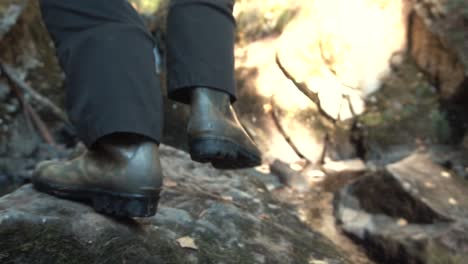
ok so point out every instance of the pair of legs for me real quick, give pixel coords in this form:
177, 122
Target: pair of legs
114, 98
107, 55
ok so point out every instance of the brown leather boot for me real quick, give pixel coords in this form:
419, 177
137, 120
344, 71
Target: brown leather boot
120, 175
215, 133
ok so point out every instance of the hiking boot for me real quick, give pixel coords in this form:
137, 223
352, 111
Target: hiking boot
119, 175
215, 133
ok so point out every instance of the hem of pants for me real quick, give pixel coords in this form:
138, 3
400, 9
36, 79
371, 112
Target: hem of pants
183, 94
95, 134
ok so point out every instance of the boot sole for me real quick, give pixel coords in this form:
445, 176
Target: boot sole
119, 205
222, 153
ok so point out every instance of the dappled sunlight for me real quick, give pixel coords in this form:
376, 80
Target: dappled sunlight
260, 19
280, 149
445, 174
283, 103
270, 81
355, 38
145, 6
364, 35
339, 50
452, 201
429, 185
402, 222
264, 168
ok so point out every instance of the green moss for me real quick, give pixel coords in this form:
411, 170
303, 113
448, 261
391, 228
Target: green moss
259, 19
372, 119
440, 126
437, 254
36, 244
405, 109
212, 250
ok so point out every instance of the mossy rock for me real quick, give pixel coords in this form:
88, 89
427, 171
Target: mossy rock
243, 227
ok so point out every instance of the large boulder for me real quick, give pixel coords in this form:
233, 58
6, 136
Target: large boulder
403, 115
438, 41
446, 21
414, 211
205, 216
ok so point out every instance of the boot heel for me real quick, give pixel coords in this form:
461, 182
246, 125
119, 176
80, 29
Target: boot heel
125, 206
206, 150
222, 154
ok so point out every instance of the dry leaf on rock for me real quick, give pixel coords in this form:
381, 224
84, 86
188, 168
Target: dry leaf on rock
169, 183
227, 198
187, 242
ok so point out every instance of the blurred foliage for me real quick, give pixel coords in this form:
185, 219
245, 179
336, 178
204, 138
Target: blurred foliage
258, 19
405, 109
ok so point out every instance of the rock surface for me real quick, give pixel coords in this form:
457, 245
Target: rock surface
205, 216
415, 211
446, 19
438, 41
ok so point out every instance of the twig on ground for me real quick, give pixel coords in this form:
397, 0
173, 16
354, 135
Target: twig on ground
323, 155
283, 132
27, 108
306, 91
199, 191
35, 96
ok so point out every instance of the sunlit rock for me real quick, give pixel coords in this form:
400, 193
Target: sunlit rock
409, 213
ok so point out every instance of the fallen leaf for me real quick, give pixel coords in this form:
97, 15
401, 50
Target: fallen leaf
402, 222
452, 201
445, 174
264, 217
169, 183
187, 242
317, 262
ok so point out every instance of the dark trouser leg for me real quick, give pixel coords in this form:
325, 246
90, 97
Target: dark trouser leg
200, 47
107, 55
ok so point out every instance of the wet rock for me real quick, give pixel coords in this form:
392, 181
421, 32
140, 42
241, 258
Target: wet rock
414, 211
229, 217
